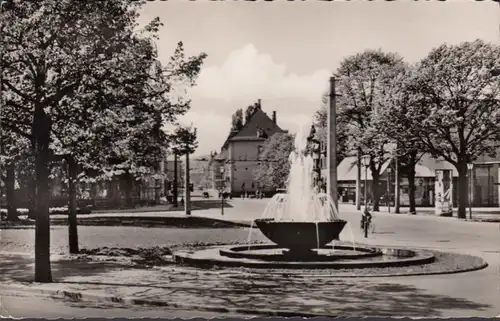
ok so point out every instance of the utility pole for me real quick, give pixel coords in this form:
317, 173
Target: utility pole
174, 192
187, 191
332, 145
397, 187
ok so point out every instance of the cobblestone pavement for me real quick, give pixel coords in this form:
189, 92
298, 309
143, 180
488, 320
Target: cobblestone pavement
467, 294
236, 289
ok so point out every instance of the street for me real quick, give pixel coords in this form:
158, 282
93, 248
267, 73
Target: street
26, 305
465, 294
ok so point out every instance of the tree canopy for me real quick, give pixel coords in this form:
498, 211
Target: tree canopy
79, 80
450, 101
274, 166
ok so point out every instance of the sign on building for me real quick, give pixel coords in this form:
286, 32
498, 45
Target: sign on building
443, 191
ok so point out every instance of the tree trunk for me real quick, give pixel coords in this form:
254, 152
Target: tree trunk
462, 189
41, 133
174, 192
358, 181
187, 191
129, 198
10, 185
397, 186
72, 218
411, 190
412, 162
31, 197
375, 190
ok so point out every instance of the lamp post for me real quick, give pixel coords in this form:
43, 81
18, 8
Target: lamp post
389, 189
470, 166
222, 184
365, 161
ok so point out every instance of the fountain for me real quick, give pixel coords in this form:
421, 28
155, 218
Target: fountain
303, 219
302, 222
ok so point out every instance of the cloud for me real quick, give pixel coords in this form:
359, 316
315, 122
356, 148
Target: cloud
212, 129
247, 74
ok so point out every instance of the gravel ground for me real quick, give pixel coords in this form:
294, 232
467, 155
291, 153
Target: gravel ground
90, 237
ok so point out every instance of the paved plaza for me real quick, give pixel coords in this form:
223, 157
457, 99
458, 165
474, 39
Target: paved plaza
245, 292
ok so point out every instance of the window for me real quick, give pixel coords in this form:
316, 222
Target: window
253, 185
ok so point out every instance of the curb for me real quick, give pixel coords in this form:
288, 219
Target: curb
77, 296
140, 221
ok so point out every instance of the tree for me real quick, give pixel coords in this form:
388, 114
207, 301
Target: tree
249, 112
237, 120
394, 122
362, 82
12, 152
321, 123
455, 105
184, 140
274, 167
62, 57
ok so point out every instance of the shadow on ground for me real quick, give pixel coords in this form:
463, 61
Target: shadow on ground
331, 297
22, 268
292, 296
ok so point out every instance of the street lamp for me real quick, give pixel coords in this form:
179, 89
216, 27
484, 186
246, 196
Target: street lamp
389, 189
365, 161
470, 166
222, 183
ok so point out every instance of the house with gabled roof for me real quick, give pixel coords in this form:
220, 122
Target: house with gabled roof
233, 168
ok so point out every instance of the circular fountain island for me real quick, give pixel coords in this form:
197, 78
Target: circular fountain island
298, 243
304, 227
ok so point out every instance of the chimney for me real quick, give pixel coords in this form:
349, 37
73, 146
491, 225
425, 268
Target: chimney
259, 103
274, 116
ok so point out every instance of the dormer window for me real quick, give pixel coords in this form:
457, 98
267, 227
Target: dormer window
261, 133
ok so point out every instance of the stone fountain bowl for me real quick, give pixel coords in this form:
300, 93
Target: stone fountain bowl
300, 237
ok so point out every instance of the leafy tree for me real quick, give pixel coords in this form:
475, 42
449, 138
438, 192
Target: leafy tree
237, 120
321, 123
394, 123
454, 107
67, 63
362, 83
184, 140
274, 166
249, 112
11, 153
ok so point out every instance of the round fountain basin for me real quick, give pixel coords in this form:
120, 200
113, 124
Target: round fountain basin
300, 237
269, 256
272, 252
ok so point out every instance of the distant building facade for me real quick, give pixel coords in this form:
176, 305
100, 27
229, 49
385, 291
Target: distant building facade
485, 178
232, 170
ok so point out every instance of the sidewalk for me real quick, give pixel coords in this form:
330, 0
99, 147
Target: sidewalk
231, 290
480, 214
237, 292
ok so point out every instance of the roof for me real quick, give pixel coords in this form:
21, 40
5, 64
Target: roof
247, 138
259, 120
347, 169
249, 131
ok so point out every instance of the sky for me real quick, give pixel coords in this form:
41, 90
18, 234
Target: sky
284, 52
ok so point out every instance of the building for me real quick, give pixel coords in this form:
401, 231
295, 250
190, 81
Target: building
485, 181
232, 170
